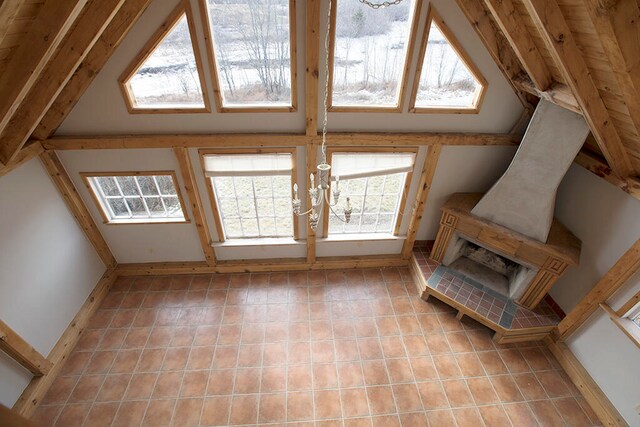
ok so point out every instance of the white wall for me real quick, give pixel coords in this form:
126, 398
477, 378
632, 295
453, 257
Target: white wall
462, 170
136, 242
607, 221
47, 267
102, 110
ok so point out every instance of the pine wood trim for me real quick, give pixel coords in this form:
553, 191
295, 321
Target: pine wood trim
495, 43
8, 11
613, 280
108, 42
23, 156
61, 179
630, 329
312, 163
215, 80
22, 352
199, 218
424, 187
406, 67
275, 140
627, 306
405, 189
212, 198
182, 9
557, 93
85, 178
556, 34
434, 17
261, 265
48, 30
592, 393
597, 166
37, 388
312, 52
513, 27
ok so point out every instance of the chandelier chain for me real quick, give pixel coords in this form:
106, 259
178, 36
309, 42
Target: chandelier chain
326, 85
381, 5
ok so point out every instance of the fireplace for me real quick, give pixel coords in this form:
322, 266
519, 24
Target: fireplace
511, 264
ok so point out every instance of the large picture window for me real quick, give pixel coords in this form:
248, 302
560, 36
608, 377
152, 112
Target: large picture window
251, 193
137, 197
376, 184
253, 48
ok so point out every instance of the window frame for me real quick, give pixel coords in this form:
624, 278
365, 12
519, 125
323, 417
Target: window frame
406, 69
215, 81
433, 17
86, 178
622, 318
183, 8
217, 217
405, 188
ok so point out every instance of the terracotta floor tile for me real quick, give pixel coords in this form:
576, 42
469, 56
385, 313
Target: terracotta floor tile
87, 388
159, 413
100, 362
76, 363
299, 377
546, 413
467, 417
432, 395
73, 415
392, 347
482, 390
492, 363
215, 411
354, 402
469, 364
141, 386
327, 404
458, 393
272, 408
553, 384
102, 414
441, 417
424, 369
350, 374
221, 382
399, 370
414, 419
113, 388
244, 409
194, 383
494, 415
125, 362
407, 397
530, 386
299, 406
325, 376
375, 372
514, 361
571, 412
45, 415
520, 415
506, 388
167, 385
247, 380
60, 390
446, 367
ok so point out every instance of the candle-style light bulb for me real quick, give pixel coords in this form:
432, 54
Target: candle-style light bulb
295, 190
337, 181
311, 177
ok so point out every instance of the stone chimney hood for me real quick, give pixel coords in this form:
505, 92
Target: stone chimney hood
523, 199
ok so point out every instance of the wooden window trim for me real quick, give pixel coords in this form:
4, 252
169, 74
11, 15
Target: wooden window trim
434, 16
215, 81
626, 325
404, 81
212, 196
105, 217
405, 190
183, 8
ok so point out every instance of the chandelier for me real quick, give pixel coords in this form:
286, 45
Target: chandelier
320, 194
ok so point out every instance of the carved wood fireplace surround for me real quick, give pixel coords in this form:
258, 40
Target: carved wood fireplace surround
544, 262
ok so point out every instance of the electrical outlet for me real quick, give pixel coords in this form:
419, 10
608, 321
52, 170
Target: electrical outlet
637, 408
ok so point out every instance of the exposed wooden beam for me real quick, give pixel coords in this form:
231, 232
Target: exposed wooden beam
613, 280
312, 52
191, 187
495, 43
598, 167
618, 27
78, 209
513, 27
35, 50
23, 156
604, 409
22, 352
81, 38
8, 11
554, 30
273, 140
37, 388
557, 93
108, 42
424, 187
312, 162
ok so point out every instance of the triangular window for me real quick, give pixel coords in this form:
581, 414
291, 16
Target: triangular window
166, 75
446, 79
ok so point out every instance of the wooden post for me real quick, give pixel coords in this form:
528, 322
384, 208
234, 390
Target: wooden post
22, 352
312, 53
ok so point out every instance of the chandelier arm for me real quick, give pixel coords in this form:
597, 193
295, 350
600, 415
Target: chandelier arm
336, 215
380, 5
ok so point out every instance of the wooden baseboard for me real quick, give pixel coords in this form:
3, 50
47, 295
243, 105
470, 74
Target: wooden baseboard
259, 266
604, 409
37, 388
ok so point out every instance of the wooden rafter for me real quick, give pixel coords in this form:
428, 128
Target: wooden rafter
8, 11
554, 30
27, 63
514, 29
312, 51
618, 26
597, 166
613, 280
90, 67
26, 154
80, 39
557, 93
22, 352
61, 179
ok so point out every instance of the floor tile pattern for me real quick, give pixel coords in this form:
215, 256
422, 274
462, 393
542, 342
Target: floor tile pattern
321, 348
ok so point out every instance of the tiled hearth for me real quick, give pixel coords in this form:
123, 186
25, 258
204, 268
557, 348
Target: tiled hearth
481, 299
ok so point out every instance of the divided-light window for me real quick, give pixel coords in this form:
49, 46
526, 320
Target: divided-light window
254, 53
376, 184
137, 197
251, 193
369, 54
446, 79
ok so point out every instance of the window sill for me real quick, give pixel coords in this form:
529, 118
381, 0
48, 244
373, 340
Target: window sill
370, 237
627, 326
146, 221
268, 241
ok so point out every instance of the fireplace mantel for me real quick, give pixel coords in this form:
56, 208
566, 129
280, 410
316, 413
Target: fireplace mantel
561, 250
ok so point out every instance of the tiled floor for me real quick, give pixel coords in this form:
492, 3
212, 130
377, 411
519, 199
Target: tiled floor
352, 348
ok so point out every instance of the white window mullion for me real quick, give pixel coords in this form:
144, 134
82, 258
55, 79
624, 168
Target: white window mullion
255, 205
144, 202
364, 203
124, 199
104, 197
155, 181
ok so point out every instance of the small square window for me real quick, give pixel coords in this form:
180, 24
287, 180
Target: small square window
136, 198
251, 194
